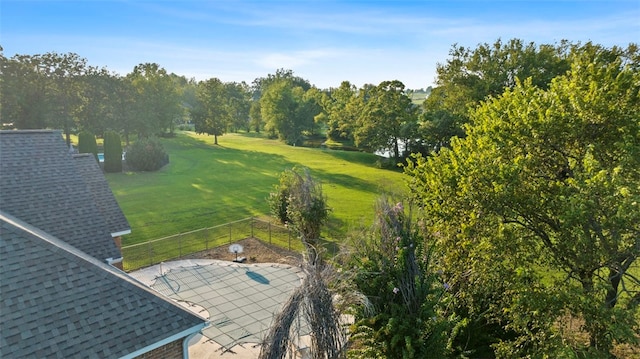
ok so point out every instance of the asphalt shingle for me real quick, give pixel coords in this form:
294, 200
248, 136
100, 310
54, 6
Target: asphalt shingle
59, 302
40, 184
87, 166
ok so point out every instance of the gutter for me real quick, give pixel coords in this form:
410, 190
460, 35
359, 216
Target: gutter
111, 261
185, 333
185, 345
121, 233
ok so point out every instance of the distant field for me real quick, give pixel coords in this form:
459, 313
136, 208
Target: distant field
206, 185
418, 97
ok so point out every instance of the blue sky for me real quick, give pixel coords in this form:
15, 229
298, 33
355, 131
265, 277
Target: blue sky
325, 42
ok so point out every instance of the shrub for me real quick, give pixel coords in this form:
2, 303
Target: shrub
87, 143
299, 202
112, 152
279, 199
393, 269
146, 155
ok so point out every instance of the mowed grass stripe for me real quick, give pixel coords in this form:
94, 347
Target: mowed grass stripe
206, 185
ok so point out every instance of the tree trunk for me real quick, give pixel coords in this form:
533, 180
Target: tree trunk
68, 134
67, 130
612, 292
215, 139
597, 331
396, 150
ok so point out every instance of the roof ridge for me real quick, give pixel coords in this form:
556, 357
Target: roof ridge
30, 131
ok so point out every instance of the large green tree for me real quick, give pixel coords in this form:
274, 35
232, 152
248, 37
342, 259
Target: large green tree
23, 92
43, 91
342, 112
470, 76
536, 210
99, 105
211, 112
65, 73
124, 109
287, 111
238, 97
157, 99
386, 113
255, 116
260, 85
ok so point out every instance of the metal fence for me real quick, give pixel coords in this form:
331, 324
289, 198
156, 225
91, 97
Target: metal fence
183, 244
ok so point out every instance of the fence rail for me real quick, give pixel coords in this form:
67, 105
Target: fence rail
183, 244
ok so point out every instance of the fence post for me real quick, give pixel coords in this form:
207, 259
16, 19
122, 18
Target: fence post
179, 245
150, 253
269, 232
206, 238
230, 240
289, 232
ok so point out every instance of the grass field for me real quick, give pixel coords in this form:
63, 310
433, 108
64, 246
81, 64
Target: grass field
206, 185
418, 97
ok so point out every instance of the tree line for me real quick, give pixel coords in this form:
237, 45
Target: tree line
63, 91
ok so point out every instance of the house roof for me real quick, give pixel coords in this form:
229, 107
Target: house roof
39, 184
60, 302
87, 166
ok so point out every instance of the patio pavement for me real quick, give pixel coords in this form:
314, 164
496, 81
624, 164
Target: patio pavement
239, 300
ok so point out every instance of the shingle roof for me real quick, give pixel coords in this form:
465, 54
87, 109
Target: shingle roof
87, 166
59, 302
40, 184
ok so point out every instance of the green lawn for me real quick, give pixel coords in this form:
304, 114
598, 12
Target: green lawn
206, 185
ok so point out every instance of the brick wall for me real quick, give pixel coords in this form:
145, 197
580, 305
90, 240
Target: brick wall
172, 350
118, 241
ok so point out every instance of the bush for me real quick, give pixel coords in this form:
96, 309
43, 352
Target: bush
279, 199
392, 264
112, 152
299, 202
87, 144
146, 155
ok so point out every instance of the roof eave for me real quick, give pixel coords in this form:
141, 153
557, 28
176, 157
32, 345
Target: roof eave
121, 233
112, 261
183, 334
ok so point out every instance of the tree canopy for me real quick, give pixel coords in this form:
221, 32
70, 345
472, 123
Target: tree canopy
211, 113
342, 109
62, 91
386, 112
544, 191
287, 111
157, 103
470, 76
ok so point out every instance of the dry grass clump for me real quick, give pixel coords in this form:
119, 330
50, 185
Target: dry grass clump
319, 301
